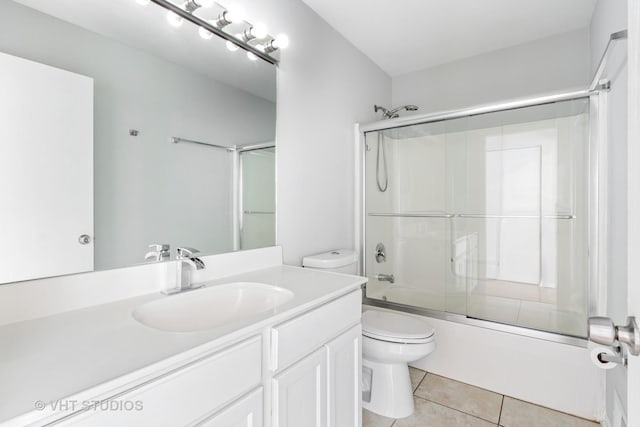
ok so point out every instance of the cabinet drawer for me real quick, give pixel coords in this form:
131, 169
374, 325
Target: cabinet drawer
295, 338
186, 395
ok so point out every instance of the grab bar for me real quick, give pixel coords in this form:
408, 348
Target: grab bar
177, 140
415, 215
450, 215
259, 212
516, 216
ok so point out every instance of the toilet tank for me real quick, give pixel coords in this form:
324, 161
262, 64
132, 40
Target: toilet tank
338, 261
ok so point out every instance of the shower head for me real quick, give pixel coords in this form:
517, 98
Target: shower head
392, 114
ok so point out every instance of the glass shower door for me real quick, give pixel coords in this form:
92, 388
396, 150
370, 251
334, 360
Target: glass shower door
408, 223
485, 216
257, 198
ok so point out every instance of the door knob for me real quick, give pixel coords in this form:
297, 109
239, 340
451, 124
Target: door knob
603, 331
84, 239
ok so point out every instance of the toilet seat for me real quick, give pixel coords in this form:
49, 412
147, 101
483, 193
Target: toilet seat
395, 327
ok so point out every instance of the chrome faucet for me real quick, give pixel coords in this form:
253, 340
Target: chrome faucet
386, 278
187, 263
159, 252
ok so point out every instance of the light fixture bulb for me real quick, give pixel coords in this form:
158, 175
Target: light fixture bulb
281, 41
259, 30
251, 56
173, 19
206, 3
234, 13
204, 33
143, 2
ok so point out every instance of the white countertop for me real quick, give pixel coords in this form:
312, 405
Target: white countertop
60, 356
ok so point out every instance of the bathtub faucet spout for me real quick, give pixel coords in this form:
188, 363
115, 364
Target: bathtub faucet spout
386, 278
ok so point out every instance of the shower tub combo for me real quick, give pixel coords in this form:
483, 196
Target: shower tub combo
490, 218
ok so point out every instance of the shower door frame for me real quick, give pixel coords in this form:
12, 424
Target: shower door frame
597, 189
238, 191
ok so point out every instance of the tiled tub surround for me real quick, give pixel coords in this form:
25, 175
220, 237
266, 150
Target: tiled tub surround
444, 402
103, 348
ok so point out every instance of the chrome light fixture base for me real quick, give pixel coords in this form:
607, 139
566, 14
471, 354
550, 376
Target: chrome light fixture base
217, 30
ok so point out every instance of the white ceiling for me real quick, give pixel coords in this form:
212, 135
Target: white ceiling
402, 36
146, 28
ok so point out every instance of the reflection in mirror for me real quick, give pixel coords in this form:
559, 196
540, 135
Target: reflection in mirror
92, 102
257, 226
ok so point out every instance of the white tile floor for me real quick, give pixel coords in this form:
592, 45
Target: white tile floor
441, 402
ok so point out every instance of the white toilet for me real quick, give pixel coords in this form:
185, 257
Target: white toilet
390, 341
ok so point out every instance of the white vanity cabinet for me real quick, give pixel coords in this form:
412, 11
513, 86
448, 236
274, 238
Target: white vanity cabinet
323, 389
317, 364
301, 372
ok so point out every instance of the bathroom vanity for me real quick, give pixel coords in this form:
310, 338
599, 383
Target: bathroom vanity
297, 364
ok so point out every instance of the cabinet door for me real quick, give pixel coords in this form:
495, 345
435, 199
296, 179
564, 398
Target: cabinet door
300, 393
245, 412
344, 370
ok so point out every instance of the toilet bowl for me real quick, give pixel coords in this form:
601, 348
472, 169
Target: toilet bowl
389, 342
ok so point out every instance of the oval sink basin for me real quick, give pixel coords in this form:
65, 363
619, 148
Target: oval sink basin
210, 307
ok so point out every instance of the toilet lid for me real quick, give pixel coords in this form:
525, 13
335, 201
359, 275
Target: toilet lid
395, 327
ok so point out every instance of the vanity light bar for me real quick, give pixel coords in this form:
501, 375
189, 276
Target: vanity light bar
215, 30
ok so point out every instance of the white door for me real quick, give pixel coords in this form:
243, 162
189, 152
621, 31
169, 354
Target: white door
633, 285
344, 369
46, 170
300, 393
245, 412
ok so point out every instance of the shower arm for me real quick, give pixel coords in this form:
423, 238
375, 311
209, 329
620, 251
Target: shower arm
393, 114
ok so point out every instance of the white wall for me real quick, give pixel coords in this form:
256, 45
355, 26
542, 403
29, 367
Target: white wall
325, 85
555, 63
148, 190
610, 17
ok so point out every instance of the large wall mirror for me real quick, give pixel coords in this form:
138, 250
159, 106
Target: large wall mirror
119, 131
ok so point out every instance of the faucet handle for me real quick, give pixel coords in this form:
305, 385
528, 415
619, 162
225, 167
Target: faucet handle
158, 251
164, 247
184, 252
